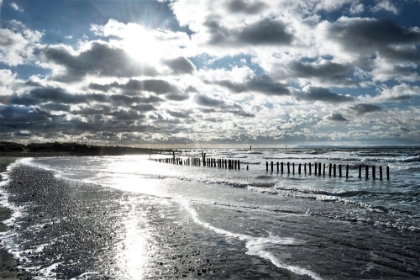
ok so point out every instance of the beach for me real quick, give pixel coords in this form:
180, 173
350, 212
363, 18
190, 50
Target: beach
128, 217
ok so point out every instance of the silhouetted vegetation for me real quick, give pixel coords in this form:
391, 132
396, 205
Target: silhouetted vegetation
67, 149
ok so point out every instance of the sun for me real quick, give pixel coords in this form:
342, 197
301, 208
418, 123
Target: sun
141, 45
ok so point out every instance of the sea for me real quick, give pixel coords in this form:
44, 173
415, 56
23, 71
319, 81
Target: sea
168, 220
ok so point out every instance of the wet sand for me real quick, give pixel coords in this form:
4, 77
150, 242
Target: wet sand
73, 229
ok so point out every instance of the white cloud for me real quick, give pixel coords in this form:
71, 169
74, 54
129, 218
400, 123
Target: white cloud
384, 5
357, 9
15, 7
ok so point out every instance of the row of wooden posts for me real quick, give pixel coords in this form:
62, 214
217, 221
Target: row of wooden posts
332, 170
209, 162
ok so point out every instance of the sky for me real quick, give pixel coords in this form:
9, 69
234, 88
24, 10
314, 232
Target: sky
210, 73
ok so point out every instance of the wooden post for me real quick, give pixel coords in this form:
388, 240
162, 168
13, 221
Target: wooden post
272, 166
347, 171
387, 173
288, 168
266, 166
299, 168
319, 169
239, 164
277, 167
360, 171
281, 167
304, 167
329, 170
247, 167
374, 172
310, 169
380, 173
339, 171
335, 171
367, 172
315, 166
293, 166
323, 170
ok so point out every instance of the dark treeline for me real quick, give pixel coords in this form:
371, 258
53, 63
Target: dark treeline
69, 148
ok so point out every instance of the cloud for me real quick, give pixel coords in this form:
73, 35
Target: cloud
328, 73
336, 117
322, 94
134, 87
364, 108
17, 45
14, 115
384, 5
262, 84
15, 7
399, 93
366, 37
357, 9
246, 7
101, 59
263, 32
204, 100
180, 65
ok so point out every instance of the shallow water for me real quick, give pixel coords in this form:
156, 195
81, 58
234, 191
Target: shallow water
270, 223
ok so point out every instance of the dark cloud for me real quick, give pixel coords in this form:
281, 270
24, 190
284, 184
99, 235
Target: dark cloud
127, 115
263, 84
180, 114
177, 97
132, 87
246, 7
337, 117
180, 65
322, 94
330, 72
56, 107
241, 113
21, 114
367, 36
264, 32
204, 100
100, 60
364, 108
143, 107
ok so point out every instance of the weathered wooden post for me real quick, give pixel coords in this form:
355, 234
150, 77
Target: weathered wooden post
347, 171
329, 170
204, 159
323, 170
319, 169
293, 168
367, 172
173, 155
380, 173
315, 166
335, 171
247, 167
281, 167
299, 168
360, 171
266, 166
304, 167
387, 173
277, 167
288, 168
272, 166
310, 169
374, 172
339, 171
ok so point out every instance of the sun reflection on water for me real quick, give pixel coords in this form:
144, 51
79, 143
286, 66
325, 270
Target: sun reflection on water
131, 252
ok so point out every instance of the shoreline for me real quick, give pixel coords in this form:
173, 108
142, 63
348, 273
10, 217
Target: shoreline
7, 263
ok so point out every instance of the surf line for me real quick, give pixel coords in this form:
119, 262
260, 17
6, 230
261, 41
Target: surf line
255, 245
